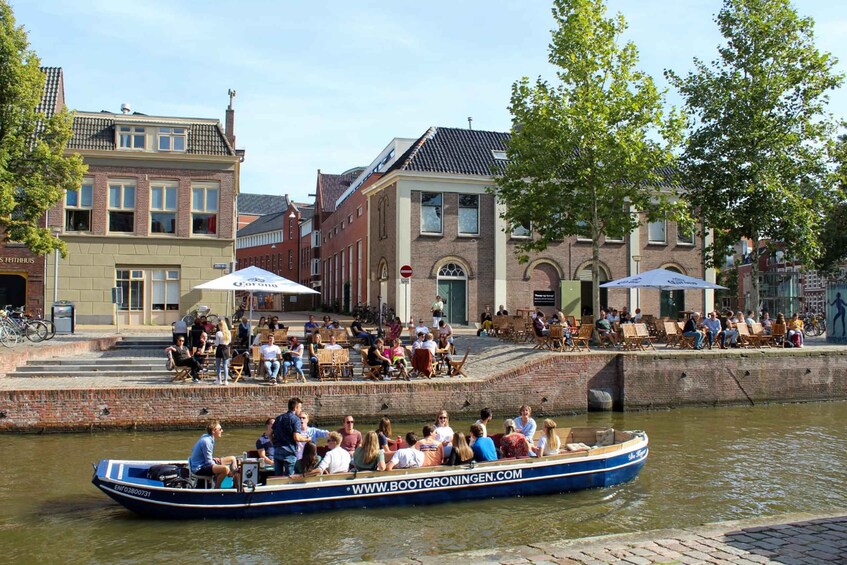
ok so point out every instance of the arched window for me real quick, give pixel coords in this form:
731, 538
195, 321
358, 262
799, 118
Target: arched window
452, 270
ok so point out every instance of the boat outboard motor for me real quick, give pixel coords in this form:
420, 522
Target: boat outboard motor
172, 476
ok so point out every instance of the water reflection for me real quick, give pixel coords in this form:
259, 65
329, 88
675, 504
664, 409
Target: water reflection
705, 465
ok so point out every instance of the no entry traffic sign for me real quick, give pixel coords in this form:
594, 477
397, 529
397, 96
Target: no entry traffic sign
406, 271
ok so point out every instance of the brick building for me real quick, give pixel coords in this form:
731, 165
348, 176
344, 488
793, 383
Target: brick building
431, 210
21, 270
154, 217
251, 207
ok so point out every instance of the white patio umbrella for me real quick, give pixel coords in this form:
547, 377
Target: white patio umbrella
254, 279
662, 279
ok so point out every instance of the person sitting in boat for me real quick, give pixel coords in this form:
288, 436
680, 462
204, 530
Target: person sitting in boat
369, 457
264, 445
513, 443
310, 432
202, 462
549, 442
483, 446
287, 431
407, 457
461, 454
336, 460
485, 416
443, 431
432, 449
309, 461
383, 433
524, 423
351, 438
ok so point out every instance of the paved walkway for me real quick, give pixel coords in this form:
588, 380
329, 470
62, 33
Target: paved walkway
787, 539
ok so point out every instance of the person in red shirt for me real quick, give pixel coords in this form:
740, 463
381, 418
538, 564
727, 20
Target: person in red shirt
351, 438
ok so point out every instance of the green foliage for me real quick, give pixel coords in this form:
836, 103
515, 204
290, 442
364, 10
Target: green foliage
755, 163
591, 149
34, 173
833, 235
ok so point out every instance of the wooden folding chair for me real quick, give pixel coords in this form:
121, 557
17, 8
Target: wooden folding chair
456, 367
777, 335
422, 363
556, 338
181, 374
341, 336
326, 369
583, 337
372, 372
745, 338
236, 366
280, 336
643, 333
539, 340
630, 340
758, 331
672, 334
341, 364
684, 342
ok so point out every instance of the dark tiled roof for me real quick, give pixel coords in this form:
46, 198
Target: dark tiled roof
261, 204
333, 186
307, 211
98, 133
264, 224
454, 150
52, 90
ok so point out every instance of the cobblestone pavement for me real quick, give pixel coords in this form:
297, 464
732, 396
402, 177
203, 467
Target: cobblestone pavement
788, 539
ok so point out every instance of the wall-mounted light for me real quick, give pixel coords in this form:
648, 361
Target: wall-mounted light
292, 215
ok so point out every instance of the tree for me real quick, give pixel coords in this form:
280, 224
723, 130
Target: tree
833, 236
588, 154
34, 172
755, 163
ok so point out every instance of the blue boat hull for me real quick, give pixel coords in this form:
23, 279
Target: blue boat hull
125, 483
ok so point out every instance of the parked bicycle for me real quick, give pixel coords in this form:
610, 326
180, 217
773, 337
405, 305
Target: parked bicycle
814, 325
200, 312
16, 326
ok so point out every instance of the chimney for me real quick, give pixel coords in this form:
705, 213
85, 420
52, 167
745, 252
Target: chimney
126, 108
229, 131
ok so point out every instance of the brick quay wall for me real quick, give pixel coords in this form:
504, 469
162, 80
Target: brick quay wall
551, 384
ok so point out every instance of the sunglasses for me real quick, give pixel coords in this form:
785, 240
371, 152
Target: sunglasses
349, 421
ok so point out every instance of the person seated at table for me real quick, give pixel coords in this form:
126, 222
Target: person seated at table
295, 357
538, 325
395, 329
445, 333
314, 346
795, 330
311, 432
376, 357
713, 328
604, 329
549, 442
624, 316
432, 449
429, 343
502, 311
201, 350
269, 355
195, 331
369, 457
263, 323
748, 319
513, 443
336, 460
486, 322
359, 332
333, 345
264, 445
398, 358
418, 342
327, 323
728, 330
482, 446
182, 358
310, 327
274, 324
461, 454
767, 323
636, 319
407, 457
202, 461
691, 329
308, 460
421, 327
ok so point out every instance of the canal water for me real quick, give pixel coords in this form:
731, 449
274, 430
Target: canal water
705, 465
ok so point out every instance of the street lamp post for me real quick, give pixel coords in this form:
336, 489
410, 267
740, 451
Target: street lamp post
637, 259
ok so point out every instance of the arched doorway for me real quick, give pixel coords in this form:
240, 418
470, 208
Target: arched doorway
453, 289
383, 287
12, 290
545, 278
671, 302
584, 276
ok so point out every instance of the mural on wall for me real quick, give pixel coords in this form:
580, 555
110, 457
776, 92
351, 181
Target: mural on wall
836, 304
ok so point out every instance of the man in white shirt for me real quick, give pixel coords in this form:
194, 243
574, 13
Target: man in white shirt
336, 460
419, 342
407, 457
430, 344
332, 345
485, 416
270, 354
712, 324
421, 328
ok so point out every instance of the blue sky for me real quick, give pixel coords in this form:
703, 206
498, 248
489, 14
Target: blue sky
327, 84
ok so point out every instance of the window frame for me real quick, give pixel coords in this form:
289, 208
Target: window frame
80, 207
516, 232
133, 133
690, 242
664, 240
199, 213
123, 185
169, 133
459, 215
439, 214
165, 186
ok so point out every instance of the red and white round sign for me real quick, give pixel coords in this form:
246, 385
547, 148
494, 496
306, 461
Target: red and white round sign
406, 271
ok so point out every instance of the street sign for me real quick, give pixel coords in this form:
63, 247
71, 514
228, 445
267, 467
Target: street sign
405, 280
220, 266
406, 271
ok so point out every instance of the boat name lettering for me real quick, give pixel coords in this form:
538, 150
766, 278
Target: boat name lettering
437, 482
637, 454
132, 490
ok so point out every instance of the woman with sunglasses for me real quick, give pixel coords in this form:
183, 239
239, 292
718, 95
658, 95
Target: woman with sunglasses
443, 431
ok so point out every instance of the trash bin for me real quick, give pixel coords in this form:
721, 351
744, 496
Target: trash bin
64, 317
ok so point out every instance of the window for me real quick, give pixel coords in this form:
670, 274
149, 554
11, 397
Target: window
204, 209
358, 211
131, 137
121, 206
165, 290
584, 234
656, 232
613, 239
431, 212
171, 139
349, 219
163, 207
132, 285
382, 210
468, 214
522, 231
499, 155
291, 222
683, 238
78, 207
290, 259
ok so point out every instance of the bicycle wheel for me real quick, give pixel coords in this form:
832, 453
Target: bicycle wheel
35, 331
10, 336
212, 319
51, 329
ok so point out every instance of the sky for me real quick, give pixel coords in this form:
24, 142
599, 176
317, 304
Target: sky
326, 84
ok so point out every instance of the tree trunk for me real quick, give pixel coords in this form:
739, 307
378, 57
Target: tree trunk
754, 278
595, 278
